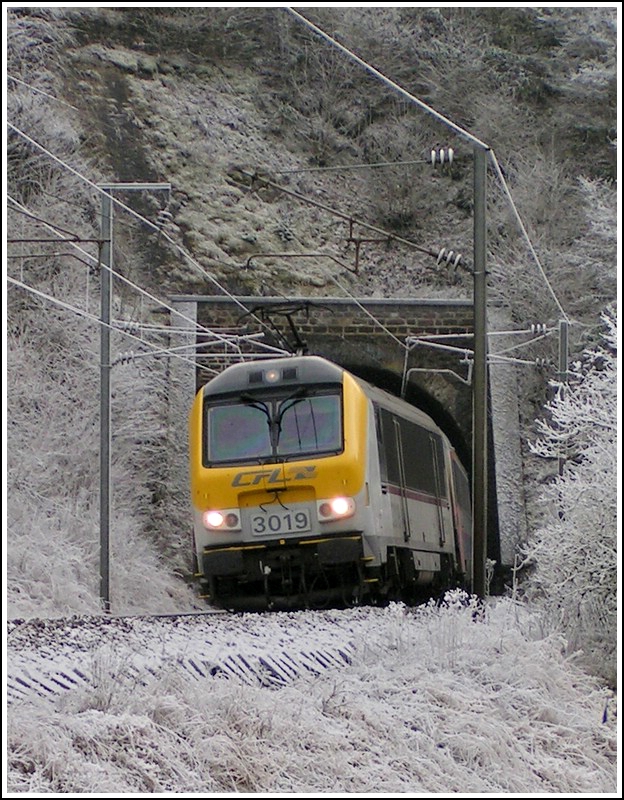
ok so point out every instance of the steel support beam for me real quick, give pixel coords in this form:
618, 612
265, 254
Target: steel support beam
106, 264
479, 378
106, 267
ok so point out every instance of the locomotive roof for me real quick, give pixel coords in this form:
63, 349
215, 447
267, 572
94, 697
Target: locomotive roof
395, 404
291, 371
295, 370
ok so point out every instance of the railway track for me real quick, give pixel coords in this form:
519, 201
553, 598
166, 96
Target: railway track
47, 659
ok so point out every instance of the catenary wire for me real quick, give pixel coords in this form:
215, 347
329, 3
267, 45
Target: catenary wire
464, 134
134, 213
197, 326
525, 234
153, 226
366, 311
86, 315
22, 210
339, 214
40, 91
430, 110
450, 124
346, 167
130, 283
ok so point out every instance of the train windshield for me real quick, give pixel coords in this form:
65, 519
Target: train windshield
237, 433
309, 425
273, 429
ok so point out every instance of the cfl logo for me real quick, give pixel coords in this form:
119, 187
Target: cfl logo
274, 476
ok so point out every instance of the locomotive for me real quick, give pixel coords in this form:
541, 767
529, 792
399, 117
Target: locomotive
310, 486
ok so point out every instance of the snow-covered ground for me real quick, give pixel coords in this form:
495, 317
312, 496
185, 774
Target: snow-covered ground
436, 699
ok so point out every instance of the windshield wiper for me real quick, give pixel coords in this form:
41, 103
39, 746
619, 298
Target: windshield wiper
252, 401
274, 421
297, 397
293, 399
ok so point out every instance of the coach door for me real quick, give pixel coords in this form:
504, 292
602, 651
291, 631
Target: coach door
439, 493
402, 485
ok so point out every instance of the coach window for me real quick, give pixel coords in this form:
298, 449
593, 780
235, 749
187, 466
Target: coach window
421, 466
381, 444
388, 446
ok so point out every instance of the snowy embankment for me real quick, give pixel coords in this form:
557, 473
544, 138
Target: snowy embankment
433, 699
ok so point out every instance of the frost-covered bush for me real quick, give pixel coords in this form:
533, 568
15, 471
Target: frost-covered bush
575, 550
453, 698
53, 468
52, 381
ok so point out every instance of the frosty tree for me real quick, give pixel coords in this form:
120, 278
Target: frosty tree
574, 551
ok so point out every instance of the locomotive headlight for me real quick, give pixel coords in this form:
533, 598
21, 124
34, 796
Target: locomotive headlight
335, 509
228, 520
272, 375
213, 519
341, 506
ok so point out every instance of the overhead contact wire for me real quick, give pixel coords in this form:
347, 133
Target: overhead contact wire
464, 134
40, 91
91, 317
94, 261
369, 68
367, 312
138, 216
525, 234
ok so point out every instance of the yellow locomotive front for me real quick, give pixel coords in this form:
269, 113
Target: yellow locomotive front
278, 453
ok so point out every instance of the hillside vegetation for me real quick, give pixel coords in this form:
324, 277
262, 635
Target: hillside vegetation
227, 105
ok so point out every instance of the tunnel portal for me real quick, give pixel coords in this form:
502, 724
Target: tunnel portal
393, 344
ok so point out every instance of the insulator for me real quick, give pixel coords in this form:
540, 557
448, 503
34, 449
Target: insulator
442, 155
163, 217
130, 326
452, 258
540, 363
538, 328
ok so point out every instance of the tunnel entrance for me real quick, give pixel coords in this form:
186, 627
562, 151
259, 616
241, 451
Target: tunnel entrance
367, 337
